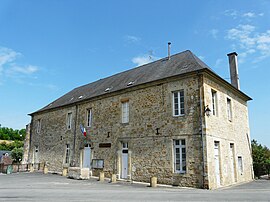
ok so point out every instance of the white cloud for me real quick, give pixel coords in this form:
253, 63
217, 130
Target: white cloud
9, 67
7, 56
144, 59
250, 41
30, 69
231, 12
245, 15
242, 33
132, 39
249, 14
218, 63
214, 33
201, 57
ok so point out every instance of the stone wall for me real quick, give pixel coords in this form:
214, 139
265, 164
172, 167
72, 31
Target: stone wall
26, 145
150, 154
150, 151
236, 132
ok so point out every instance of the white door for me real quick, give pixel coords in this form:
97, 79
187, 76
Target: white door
217, 169
232, 163
87, 157
124, 164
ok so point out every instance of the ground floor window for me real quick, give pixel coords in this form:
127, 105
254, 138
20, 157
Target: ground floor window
240, 164
179, 156
67, 153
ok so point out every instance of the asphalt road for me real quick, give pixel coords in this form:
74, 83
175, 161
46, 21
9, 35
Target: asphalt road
50, 187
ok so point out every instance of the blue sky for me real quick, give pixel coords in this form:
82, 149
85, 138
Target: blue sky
47, 48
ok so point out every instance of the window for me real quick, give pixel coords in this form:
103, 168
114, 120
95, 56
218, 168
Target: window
180, 156
125, 145
178, 103
229, 109
214, 102
240, 164
69, 119
38, 125
67, 153
125, 112
89, 117
36, 148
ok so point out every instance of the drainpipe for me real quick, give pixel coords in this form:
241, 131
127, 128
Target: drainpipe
201, 124
74, 135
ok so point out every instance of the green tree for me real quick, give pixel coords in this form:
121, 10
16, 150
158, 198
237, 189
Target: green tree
17, 154
11, 134
261, 159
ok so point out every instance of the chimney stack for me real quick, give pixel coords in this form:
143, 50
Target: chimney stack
169, 50
234, 69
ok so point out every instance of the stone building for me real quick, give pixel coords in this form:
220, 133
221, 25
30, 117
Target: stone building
173, 118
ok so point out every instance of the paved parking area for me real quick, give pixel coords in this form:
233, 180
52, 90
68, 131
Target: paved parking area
40, 187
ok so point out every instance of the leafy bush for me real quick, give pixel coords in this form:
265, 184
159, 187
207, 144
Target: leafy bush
261, 159
10, 146
17, 154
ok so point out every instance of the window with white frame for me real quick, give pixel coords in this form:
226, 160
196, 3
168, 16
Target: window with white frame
38, 125
240, 164
179, 156
67, 153
89, 117
178, 103
69, 120
214, 102
125, 112
229, 109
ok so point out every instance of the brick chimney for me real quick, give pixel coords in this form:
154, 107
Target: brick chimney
234, 69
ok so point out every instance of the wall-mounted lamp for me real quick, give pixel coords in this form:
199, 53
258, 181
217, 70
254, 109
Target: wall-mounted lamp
207, 111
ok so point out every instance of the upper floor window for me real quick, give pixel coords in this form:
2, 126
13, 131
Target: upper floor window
69, 120
38, 125
214, 102
89, 117
179, 156
125, 112
229, 109
178, 103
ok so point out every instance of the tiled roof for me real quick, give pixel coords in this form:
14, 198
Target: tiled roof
178, 64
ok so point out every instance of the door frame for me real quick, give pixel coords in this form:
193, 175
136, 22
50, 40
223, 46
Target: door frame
217, 163
124, 161
88, 146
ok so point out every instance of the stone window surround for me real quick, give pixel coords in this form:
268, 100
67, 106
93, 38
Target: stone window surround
38, 126
214, 102
240, 164
181, 106
229, 109
89, 117
67, 154
181, 171
69, 120
125, 111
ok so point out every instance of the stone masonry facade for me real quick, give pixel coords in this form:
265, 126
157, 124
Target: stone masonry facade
151, 132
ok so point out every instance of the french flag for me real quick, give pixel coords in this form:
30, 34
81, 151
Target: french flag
83, 130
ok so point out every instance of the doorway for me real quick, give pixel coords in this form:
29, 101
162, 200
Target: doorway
232, 162
87, 156
124, 167
217, 164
